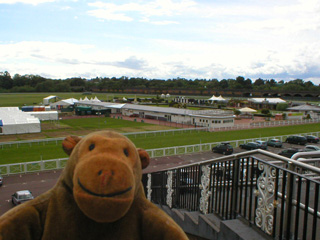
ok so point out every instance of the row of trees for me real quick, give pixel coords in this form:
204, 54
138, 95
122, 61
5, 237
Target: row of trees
36, 83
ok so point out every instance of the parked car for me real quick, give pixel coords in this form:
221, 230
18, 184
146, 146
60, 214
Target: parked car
1, 180
249, 145
296, 139
310, 148
21, 197
262, 144
274, 143
312, 139
224, 148
289, 152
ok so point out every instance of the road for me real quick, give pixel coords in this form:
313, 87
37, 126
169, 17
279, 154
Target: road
39, 183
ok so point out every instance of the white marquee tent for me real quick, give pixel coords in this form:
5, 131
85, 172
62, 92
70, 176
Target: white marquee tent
45, 115
64, 103
47, 100
247, 110
14, 121
214, 98
93, 100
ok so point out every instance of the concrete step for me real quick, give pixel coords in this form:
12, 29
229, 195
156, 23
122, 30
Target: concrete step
195, 223
210, 226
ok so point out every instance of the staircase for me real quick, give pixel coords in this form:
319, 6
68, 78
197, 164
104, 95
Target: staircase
209, 226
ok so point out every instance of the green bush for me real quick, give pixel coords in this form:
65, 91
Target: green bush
265, 111
282, 106
236, 112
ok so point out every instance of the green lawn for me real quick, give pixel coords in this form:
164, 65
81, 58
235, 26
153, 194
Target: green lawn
21, 99
35, 152
101, 123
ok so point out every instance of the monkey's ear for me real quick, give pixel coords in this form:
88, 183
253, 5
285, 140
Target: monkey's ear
144, 157
69, 143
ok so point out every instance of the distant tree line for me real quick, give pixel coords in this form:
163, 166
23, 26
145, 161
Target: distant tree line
36, 83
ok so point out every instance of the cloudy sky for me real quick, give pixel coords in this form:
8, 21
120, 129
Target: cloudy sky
161, 39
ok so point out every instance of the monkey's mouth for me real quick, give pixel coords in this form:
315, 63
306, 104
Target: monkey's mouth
103, 195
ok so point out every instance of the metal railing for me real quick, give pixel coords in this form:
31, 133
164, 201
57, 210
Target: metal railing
280, 196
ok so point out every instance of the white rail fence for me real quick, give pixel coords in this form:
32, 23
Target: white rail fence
53, 164
133, 134
267, 124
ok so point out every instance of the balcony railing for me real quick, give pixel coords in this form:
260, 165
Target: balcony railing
278, 195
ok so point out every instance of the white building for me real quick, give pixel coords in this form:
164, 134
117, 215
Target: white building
204, 118
15, 121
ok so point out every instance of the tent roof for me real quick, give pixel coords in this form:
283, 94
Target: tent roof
13, 115
247, 110
269, 100
214, 98
69, 101
50, 97
305, 107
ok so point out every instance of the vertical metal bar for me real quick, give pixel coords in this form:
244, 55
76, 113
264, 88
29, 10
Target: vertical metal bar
251, 190
289, 209
224, 192
210, 210
235, 188
289, 192
194, 177
284, 180
316, 199
177, 177
220, 189
296, 225
256, 188
246, 189
305, 220
241, 185
197, 189
215, 182
228, 191
275, 203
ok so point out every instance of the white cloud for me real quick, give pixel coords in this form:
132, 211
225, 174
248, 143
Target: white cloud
202, 60
143, 10
32, 2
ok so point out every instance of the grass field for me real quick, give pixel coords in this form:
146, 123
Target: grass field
29, 99
27, 152
82, 126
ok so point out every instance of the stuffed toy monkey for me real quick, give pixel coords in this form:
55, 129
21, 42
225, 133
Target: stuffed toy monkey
99, 195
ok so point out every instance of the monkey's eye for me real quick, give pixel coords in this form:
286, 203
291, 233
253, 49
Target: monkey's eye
125, 151
91, 147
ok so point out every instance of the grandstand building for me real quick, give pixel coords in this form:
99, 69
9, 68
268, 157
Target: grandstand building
202, 118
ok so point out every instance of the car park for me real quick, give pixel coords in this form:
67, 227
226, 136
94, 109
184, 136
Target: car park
274, 143
249, 145
1, 180
262, 144
312, 139
296, 139
310, 148
21, 197
289, 152
224, 148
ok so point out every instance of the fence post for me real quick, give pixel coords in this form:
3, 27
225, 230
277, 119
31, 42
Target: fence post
235, 185
288, 220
